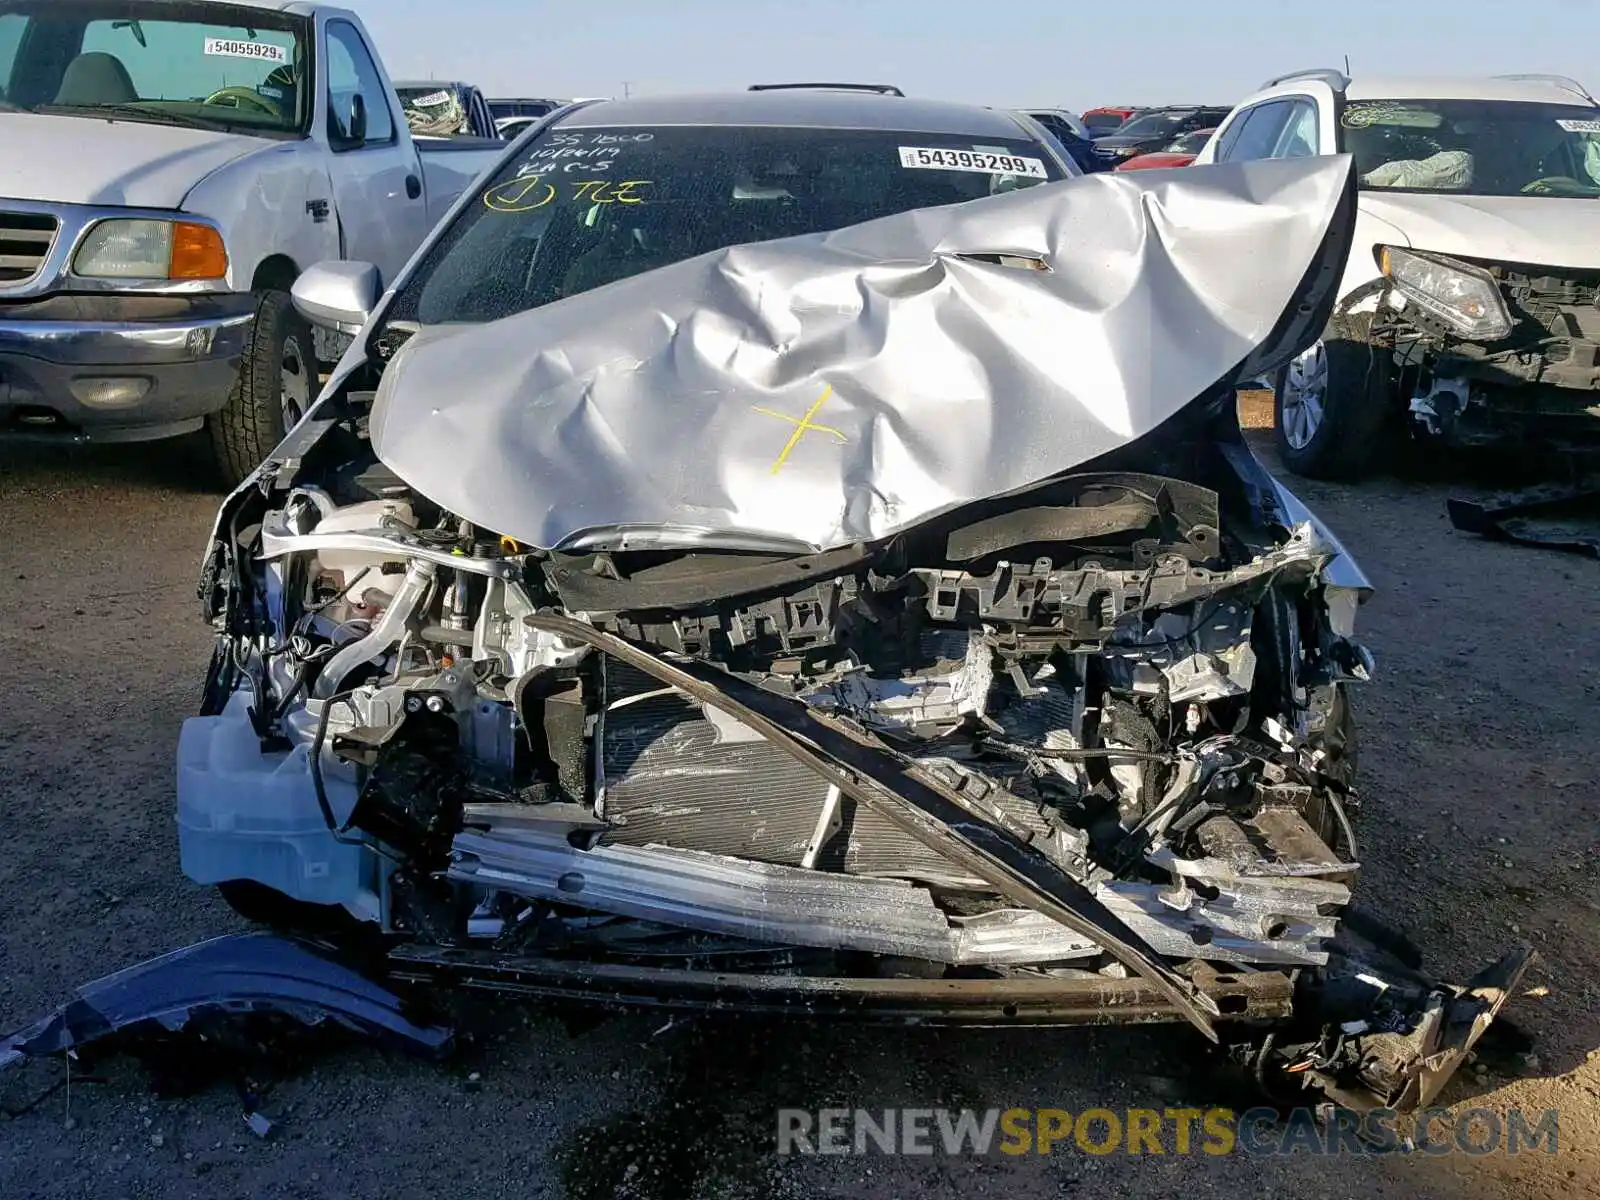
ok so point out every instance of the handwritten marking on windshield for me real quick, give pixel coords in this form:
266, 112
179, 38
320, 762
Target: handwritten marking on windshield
803, 426
622, 193
514, 197
531, 192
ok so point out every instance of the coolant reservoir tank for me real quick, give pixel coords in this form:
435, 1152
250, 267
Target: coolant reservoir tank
368, 517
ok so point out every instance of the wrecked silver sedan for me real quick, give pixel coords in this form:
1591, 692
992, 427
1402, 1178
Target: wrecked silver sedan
796, 553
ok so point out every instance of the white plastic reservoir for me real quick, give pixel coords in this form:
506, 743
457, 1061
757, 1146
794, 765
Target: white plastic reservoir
247, 815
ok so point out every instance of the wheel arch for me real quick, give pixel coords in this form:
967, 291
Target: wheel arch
275, 273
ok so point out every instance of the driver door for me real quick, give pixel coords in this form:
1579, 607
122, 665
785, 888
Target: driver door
376, 173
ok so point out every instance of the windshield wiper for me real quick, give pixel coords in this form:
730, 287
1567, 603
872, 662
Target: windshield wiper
136, 112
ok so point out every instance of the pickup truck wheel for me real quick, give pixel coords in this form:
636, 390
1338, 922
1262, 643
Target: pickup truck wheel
277, 382
1333, 402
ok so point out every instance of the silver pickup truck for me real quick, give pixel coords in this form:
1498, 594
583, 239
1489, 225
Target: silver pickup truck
167, 169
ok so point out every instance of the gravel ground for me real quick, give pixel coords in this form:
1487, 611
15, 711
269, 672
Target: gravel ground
1481, 744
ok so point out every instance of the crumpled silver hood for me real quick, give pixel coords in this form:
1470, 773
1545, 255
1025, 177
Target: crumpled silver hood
822, 390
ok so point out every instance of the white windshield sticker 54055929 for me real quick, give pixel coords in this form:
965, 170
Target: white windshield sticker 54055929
1580, 126
431, 100
985, 162
260, 51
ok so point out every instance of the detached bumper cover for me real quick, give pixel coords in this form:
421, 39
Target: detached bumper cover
1559, 517
241, 974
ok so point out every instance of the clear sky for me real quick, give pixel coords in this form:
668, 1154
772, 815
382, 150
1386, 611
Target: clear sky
1062, 53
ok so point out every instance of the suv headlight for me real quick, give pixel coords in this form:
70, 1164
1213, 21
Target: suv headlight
1464, 297
151, 249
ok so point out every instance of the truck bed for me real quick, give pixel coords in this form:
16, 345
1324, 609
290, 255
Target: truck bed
452, 165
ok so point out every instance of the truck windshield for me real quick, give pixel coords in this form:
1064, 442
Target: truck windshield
184, 63
581, 207
433, 111
1474, 147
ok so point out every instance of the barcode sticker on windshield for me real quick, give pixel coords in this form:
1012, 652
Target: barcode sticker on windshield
431, 99
260, 51
1580, 126
984, 162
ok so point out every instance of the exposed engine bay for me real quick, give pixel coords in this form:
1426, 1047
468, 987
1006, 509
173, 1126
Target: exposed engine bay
1538, 383
1095, 736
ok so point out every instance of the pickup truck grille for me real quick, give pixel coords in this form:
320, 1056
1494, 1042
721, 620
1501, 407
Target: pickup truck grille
25, 240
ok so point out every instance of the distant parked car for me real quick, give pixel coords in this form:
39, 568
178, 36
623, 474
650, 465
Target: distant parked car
1467, 314
1071, 134
1180, 152
1064, 117
511, 127
445, 110
168, 172
1155, 129
507, 108
1107, 119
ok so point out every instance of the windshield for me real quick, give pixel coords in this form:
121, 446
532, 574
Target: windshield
1154, 124
432, 111
205, 65
1191, 143
1474, 147
578, 208
502, 109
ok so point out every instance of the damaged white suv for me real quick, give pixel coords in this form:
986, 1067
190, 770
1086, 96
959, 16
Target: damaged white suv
760, 557
1469, 313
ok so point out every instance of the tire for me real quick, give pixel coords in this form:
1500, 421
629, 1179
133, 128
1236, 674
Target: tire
277, 382
1332, 405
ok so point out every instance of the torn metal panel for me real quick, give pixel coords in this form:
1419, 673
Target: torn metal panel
238, 974
917, 801
1406, 1068
1558, 517
1237, 925
820, 390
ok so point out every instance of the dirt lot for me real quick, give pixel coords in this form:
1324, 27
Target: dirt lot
1481, 756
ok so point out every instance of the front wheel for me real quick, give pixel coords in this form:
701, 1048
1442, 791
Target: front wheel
1333, 402
276, 384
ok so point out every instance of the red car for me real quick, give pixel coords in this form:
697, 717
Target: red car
1107, 118
1179, 153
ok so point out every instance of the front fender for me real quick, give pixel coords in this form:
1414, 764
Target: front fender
267, 204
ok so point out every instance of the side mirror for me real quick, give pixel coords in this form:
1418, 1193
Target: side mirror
358, 119
338, 295
348, 134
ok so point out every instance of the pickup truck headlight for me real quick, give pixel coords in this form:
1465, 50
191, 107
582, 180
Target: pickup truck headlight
1462, 296
150, 249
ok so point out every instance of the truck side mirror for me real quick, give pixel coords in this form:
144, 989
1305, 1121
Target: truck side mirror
348, 134
338, 295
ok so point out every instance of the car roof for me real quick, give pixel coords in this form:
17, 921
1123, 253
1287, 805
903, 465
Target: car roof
1460, 87
302, 7
803, 107
441, 85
